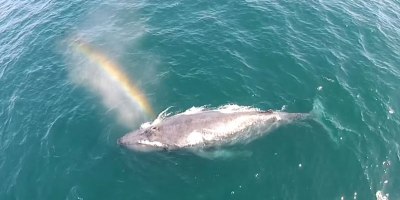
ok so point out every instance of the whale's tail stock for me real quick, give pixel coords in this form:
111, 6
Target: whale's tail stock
318, 110
317, 114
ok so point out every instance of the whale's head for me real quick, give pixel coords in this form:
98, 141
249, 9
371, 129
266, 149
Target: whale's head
143, 139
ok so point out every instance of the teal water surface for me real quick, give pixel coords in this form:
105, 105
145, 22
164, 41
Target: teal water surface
59, 121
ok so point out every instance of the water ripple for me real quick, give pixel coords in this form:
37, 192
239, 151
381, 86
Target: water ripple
342, 55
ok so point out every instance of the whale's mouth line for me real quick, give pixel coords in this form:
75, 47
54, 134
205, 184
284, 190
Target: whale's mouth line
141, 142
151, 143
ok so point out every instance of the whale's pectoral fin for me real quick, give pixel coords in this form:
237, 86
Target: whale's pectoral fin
222, 154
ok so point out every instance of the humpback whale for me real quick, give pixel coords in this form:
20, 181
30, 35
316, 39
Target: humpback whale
203, 128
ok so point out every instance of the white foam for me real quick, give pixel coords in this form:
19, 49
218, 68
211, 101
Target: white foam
160, 117
391, 111
231, 108
145, 125
194, 110
328, 79
164, 114
381, 196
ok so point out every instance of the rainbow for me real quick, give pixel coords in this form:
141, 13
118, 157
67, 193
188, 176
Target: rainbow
115, 73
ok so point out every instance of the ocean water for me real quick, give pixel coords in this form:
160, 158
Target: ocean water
77, 75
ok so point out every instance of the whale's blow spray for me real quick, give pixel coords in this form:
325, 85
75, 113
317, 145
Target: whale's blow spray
99, 73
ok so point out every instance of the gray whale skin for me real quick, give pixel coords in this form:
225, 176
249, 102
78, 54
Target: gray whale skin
201, 128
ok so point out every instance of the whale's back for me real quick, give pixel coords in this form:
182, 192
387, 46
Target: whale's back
209, 127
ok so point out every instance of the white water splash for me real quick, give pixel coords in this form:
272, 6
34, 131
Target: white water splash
194, 110
230, 108
381, 196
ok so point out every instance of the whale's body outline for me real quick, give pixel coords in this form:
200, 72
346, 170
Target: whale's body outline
202, 128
